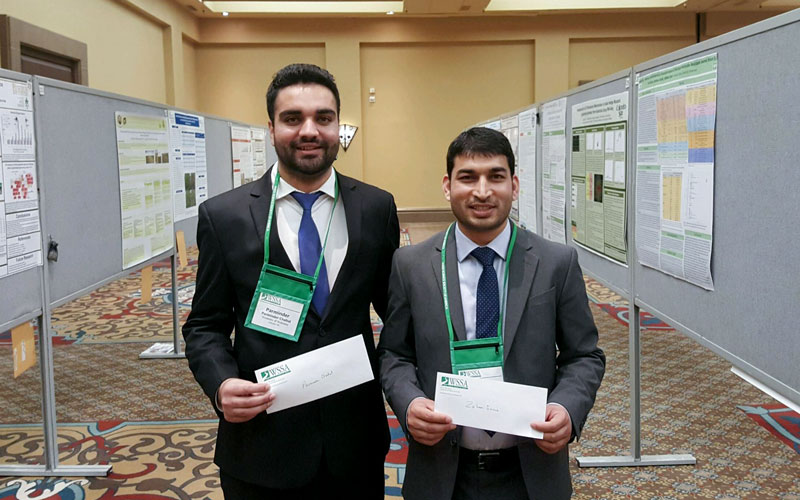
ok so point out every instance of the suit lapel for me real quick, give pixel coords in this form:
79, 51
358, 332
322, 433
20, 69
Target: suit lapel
260, 196
349, 197
520, 279
453, 284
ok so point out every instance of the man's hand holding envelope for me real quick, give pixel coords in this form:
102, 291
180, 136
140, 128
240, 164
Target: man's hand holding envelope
498, 406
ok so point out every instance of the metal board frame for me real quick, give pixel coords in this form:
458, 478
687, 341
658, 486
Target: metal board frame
747, 318
51, 466
80, 157
22, 292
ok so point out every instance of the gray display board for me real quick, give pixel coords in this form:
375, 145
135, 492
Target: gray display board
612, 275
22, 292
749, 317
78, 166
219, 162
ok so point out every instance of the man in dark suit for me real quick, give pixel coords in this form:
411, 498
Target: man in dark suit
548, 336
333, 447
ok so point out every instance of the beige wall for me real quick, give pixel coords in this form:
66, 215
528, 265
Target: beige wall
188, 98
718, 23
130, 43
433, 76
233, 80
591, 59
425, 95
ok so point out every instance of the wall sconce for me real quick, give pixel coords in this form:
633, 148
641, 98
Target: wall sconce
346, 134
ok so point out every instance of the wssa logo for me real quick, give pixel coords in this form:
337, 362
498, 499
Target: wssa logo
271, 298
275, 372
456, 383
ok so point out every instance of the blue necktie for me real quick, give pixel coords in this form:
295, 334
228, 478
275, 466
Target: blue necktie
487, 305
310, 248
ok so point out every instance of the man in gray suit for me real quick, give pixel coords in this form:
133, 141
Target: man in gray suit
525, 299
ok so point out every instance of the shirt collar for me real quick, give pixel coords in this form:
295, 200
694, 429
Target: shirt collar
285, 188
464, 245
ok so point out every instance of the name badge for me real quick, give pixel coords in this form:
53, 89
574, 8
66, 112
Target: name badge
278, 314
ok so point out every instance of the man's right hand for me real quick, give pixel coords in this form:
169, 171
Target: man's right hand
240, 400
425, 425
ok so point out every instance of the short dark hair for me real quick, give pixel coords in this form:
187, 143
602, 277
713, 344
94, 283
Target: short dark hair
299, 73
480, 141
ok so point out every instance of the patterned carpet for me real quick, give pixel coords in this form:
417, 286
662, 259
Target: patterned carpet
150, 421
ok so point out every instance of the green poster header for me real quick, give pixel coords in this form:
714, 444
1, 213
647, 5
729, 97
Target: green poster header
681, 74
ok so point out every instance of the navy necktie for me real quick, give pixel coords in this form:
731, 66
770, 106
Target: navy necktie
487, 305
310, 248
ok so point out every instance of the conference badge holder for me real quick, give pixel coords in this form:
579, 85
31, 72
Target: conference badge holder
280, 304
479, 358
282, 297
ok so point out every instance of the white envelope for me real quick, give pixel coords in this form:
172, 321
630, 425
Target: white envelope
317, 374
490, 404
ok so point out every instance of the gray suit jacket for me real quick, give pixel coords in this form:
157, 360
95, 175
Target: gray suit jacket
546, 307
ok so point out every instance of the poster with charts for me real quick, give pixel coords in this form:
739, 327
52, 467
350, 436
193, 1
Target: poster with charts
145, 186
554, 204
526, 169
509, 126
258, 138
242, 155
187, 145
598, 195
675, 169
20, 229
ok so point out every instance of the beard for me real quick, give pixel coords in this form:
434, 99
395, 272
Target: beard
291, 157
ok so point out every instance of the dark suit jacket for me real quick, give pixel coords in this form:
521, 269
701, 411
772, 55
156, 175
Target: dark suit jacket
546, 307
284, 449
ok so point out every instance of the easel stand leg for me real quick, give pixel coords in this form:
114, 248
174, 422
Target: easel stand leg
51, 467
636, 459
162, 350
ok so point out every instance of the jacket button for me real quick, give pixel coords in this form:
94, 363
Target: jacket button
453, 442
322, 332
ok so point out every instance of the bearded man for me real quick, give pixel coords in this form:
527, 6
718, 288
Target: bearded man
332, 231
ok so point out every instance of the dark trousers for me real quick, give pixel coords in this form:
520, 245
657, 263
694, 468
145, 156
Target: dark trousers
367, 484
472, 483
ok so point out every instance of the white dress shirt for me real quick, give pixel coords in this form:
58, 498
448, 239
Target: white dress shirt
289, 212
469, 272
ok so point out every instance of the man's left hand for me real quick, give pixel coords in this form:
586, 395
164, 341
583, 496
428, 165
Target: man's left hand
557, 429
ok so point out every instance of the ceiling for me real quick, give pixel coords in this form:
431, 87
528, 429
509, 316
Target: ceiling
459, 8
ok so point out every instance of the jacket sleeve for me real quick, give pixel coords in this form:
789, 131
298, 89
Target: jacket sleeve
396, 349
390, 241
580, 362
207, 331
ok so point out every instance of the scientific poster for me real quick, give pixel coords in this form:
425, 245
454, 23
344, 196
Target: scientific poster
554, 117
242, 154
258, 138
145, 186
20, 229
494, 124
509, 126
675, 169
187, 142
598, 175
526, 169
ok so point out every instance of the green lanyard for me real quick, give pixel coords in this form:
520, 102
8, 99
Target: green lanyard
282, 296
272, 211
466, 354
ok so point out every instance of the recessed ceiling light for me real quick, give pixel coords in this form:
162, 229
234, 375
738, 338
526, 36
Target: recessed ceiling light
225, 14
315, 7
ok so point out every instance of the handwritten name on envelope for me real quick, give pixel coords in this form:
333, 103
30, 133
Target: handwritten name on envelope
490, 404
317, 374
